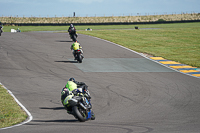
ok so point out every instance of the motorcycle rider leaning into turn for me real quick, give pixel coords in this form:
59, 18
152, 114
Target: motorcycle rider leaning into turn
78, 89
75, 46
1, 28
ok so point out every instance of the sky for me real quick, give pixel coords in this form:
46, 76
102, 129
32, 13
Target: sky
90, 8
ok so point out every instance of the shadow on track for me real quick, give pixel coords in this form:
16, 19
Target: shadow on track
74, 120
63, 41
67, 61
56, 108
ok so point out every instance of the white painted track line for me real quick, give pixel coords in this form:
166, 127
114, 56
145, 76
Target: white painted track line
27, 112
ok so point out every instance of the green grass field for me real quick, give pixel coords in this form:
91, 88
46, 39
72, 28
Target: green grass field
10, 111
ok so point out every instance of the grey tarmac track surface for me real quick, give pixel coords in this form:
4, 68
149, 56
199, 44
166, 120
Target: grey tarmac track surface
129, 93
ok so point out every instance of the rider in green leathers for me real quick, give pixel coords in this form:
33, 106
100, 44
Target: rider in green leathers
75, 88
75, 46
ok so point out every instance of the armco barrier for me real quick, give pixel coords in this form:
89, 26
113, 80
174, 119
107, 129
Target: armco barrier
109, 23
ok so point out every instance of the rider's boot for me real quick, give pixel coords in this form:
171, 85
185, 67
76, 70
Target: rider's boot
69, 112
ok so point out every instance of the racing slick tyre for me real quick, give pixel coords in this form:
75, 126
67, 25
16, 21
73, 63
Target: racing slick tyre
80, 58
79, 113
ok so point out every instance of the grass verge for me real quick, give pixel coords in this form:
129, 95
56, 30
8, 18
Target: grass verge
10, 112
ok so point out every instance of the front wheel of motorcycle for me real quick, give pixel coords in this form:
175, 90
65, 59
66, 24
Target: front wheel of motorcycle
79, 113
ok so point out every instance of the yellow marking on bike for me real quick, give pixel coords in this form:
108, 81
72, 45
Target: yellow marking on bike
188, 71
178, 67
169, 62
157, 58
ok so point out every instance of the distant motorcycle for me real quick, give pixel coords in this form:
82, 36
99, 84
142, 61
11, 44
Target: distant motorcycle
80, 109
1, 30
78, 55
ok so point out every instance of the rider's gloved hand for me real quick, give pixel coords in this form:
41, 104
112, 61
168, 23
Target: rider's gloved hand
87, 96
75, 92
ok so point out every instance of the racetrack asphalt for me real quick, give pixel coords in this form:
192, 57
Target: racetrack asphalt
130, 94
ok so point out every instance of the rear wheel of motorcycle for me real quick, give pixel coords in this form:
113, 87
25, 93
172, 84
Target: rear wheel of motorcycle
79, 113
80, 58
74, 38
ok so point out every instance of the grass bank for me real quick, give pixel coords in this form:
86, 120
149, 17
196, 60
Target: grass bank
10, 112
130, 18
